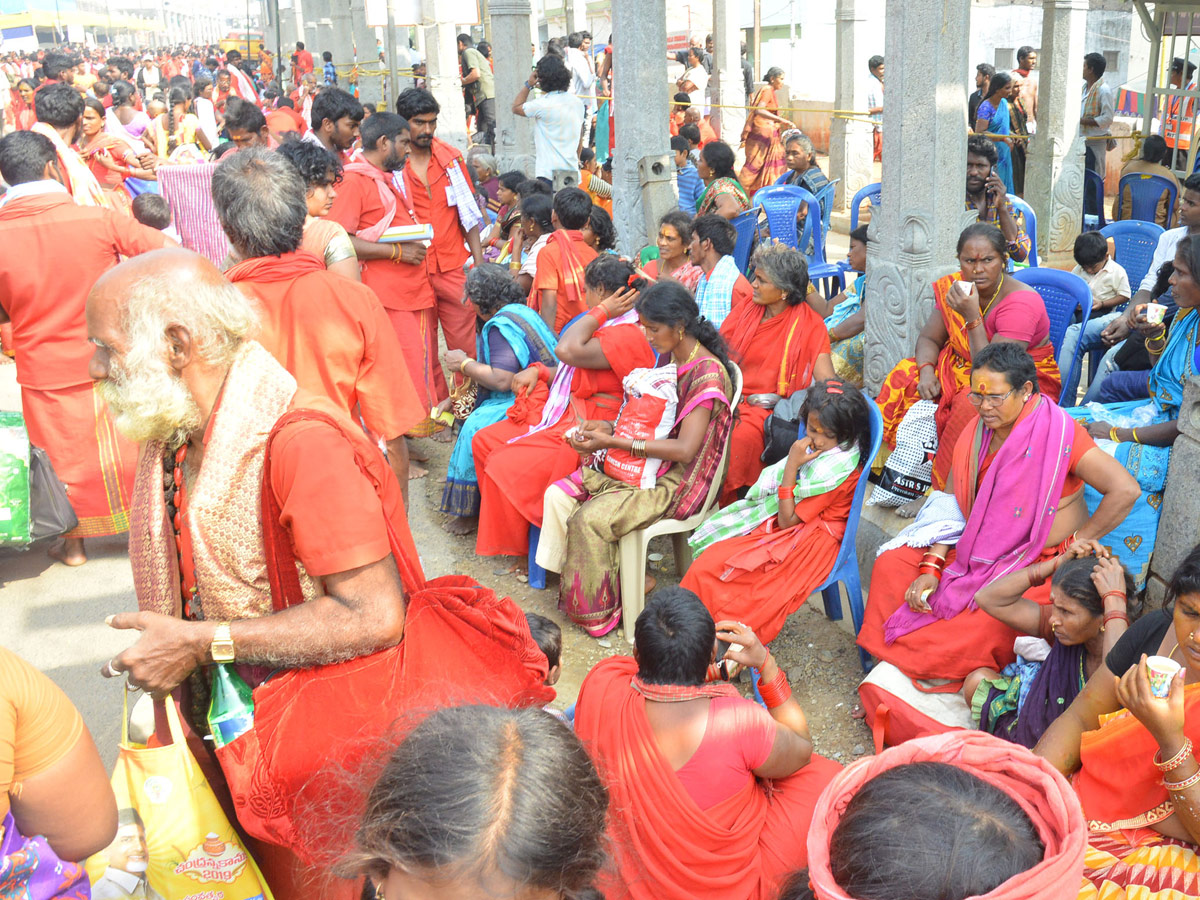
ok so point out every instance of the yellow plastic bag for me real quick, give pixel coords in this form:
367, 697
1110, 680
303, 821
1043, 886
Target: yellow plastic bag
173, 841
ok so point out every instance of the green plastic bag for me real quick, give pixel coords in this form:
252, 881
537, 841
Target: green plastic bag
14, 481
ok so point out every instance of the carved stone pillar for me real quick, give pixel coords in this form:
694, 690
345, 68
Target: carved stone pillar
1179, 524
850, 142
514, 134
444, 76
729, 91
1054, 170
914, 232
640, 105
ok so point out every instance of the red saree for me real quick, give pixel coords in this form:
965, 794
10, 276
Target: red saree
1018, 316
664, 846
954, 647
776, 356
763, 577
513, 477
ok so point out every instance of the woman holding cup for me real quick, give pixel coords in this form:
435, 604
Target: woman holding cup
1133, 752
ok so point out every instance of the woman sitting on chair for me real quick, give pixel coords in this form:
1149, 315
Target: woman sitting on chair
723, 193
1132, 753
975, 307
1018, 474
511, 337
781, 345
759, 559
1091, 596
674, 240
588, 513
712, 795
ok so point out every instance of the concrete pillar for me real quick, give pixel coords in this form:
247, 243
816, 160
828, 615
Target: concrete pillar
514, 134
577, 15
914, 232
444, 77
1054, 170
850, 142
1179, 523
641, 107
729, 91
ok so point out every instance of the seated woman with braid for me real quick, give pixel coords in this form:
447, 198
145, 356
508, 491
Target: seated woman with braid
976, 306
712, 795
1020, 466
1091, 596
1129, 745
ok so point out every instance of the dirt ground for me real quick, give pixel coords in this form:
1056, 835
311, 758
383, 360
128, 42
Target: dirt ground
819, 655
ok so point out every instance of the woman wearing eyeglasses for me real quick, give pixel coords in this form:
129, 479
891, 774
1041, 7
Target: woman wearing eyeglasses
975, 306
1015, 496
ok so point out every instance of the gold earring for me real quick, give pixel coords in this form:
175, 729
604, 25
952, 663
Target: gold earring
379, 892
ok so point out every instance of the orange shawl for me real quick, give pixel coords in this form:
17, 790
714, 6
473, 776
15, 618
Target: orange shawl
1117, 782
806, 339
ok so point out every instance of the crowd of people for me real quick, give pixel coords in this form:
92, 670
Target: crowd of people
233, 311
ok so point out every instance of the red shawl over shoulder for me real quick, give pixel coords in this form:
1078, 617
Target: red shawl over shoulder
664, 846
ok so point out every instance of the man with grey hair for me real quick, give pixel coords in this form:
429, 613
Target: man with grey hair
330, 333
277, 540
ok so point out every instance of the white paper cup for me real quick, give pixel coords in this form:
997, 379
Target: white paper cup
1160, 670
1155, 313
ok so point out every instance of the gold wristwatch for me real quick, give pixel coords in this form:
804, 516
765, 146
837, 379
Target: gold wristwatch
221, 648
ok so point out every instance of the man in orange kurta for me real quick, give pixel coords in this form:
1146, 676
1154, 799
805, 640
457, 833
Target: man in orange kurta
368, 202
53, 251
558, 291
330, 333
437, 181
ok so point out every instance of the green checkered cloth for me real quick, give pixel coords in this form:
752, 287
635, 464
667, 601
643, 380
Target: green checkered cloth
761, 503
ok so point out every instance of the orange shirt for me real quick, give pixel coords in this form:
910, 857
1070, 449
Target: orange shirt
448, 251
398, 285
63, 249
552, 276
707, 134
333, 335
332, 512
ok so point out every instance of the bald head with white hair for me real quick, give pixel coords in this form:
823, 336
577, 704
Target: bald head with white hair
166, 327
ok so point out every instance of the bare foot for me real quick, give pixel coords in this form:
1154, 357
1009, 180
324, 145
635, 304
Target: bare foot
651, 583
69, 552
415, 472
911, 508
461, 524
445, 436
415, 454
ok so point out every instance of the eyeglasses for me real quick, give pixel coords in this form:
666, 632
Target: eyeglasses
991, 401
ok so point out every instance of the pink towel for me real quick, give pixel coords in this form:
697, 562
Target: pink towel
188, 189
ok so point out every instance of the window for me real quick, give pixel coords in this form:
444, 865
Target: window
1006, 59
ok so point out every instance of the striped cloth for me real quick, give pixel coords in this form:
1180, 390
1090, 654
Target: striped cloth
188, 189
714, 292
761, 503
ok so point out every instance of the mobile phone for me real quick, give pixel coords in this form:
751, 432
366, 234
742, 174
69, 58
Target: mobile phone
725, 666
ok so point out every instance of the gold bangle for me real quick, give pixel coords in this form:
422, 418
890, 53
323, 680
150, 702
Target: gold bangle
1112, 435
1136, 440
462, 366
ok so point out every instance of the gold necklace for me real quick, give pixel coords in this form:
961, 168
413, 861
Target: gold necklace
692, 355
995, 294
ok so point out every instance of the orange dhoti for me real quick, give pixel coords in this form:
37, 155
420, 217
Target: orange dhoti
416, 329
90, 458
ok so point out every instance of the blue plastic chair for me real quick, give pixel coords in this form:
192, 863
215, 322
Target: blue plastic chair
746, 226
873, 193
1030, 226
1134, 242
825, 197
1063, 293
845, 567
781, 204
1144, 193
1093, 184
537, 575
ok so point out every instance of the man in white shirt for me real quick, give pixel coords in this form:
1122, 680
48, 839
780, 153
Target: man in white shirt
128, 859
583, 75
557, 118
148, 76
1096, 112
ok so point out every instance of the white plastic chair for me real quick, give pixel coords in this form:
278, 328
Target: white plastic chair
632, 547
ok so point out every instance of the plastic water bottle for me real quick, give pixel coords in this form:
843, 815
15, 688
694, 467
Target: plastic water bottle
231, 710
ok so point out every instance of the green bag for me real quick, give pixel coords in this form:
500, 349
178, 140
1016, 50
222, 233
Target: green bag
14, 481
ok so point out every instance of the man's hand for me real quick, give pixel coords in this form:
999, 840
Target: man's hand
167, 651
412, 252
1116, 331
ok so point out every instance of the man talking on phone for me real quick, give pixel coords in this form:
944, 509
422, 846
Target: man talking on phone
986, 195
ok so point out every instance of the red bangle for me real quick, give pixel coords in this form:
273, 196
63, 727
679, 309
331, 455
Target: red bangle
1108, 594
975, 323
927, 569
1114, 615
920, 366
787, 492
777, 691
543, 372
599, 313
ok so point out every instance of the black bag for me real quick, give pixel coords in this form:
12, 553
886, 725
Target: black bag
50, 512
782, 428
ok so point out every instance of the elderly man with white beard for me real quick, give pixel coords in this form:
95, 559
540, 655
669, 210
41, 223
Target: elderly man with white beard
235, 464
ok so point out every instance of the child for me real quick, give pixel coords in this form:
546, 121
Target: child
758, 559
687, 179
557, 285
153, 211
548, 636
537, 223
1110, 292
691, 133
